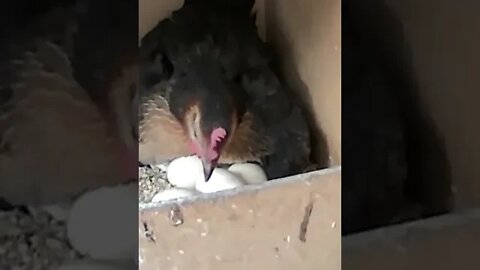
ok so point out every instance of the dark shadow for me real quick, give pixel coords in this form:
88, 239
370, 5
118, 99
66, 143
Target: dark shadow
374, 46
299, 92
19, 13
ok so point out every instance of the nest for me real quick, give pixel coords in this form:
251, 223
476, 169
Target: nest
33, 239
152, 180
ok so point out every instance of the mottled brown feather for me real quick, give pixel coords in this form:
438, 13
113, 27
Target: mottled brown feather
248, 142
46, 125
161, 136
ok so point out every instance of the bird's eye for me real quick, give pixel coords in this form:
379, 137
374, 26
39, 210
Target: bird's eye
195, 126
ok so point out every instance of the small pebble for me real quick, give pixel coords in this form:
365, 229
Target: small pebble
33, 239
152, 180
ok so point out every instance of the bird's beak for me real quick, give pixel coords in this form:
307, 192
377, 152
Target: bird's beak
208, 168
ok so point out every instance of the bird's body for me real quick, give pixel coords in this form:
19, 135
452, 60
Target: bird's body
207, 88
61, 131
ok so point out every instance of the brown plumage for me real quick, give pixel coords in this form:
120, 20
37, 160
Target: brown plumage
163, 136
207, 89
65, 122
158, 127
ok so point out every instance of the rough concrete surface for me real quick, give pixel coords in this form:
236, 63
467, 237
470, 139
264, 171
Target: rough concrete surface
291, 223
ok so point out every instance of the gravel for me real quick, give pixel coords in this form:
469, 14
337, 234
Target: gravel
152, 180
32, 239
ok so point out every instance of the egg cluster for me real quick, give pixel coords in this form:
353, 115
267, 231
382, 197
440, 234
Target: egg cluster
186, 175
94, 223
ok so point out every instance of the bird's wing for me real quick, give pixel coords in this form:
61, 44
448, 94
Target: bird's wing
44, 127
54, 141
248, 143
292, 153
284, 123
161, 137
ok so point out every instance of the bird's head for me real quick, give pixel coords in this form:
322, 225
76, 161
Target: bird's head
206, 103
207, 137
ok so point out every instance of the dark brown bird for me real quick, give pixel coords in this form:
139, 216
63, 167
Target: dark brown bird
66, 88
207, 89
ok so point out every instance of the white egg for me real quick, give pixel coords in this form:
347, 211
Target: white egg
172, 193
184, 172
103, 223
221, 179
250, 172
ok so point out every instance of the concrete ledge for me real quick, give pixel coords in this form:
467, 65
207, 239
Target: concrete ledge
445, 242
290, 223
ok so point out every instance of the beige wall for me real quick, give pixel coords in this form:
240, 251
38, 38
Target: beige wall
308, 35
153, 11
444, 39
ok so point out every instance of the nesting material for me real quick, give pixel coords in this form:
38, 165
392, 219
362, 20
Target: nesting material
33, 239
38, 238
58, 211
152, 180
102, 223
